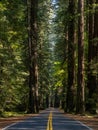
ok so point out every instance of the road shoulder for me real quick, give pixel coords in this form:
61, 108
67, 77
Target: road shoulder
8, 121
91, 121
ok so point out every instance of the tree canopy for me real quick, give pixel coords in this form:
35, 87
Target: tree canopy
48, 55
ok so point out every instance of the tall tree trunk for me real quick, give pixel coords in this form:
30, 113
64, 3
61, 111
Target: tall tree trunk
96, 47
70, 104
90, 83
92, 57
33, 67
95, 54
80, 108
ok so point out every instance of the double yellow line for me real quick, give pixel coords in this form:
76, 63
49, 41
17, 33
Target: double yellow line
49, 124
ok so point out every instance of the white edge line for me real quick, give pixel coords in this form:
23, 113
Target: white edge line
84, 125
9, 126
15, 123
12, 124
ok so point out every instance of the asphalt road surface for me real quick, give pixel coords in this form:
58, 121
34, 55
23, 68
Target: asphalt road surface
50, 119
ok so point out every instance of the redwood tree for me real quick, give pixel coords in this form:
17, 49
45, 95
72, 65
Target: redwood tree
92, 56
33, 65
71, 57
80, 108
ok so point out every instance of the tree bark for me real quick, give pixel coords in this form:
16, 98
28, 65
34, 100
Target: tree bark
92, 57
33, 66
80, 108
70, 104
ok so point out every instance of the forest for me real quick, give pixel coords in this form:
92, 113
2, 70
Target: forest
49, 55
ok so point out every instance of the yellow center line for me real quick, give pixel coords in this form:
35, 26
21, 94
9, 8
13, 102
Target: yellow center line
49, 124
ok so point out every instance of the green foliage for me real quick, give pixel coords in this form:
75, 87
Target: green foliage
13, 72
53, 21
59, 75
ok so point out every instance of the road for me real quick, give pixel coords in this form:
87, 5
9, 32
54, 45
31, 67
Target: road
50, 119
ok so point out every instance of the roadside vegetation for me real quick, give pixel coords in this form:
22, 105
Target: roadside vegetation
48, 56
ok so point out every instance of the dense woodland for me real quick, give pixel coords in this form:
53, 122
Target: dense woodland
49, 55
